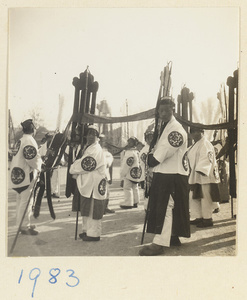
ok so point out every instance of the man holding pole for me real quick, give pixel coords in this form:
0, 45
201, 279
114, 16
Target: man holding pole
89, 172
168, 208
25, 164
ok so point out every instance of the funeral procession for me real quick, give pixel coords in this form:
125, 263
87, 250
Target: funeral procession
157, 179
159, 195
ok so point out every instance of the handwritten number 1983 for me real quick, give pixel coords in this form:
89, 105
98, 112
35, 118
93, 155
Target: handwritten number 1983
54, 272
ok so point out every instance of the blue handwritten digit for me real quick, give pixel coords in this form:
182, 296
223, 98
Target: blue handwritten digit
19, 281
35, 278
53, 278
71, 275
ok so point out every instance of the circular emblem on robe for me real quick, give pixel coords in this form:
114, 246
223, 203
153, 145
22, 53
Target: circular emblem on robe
216, 151
136, 172
210, 156
17, 175
144, 157
175, 139
88, 163
130, 161
185, 162
102, 187
29, 152
18, 144
216, 173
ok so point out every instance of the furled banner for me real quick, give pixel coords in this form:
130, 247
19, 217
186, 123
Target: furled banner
149, 114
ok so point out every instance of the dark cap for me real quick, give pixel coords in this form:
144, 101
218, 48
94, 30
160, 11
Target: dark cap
48, 135
102, 136
27, 124
134, 139
167, 100
93, 128
148, 132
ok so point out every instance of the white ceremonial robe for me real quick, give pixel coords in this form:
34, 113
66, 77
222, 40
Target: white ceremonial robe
130, 171
25, 162
108, 162
143, 161
91, 170
170, 149
91, 183
169, 207
201, 157
55, 178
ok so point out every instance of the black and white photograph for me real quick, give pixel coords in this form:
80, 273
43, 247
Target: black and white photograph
122, 128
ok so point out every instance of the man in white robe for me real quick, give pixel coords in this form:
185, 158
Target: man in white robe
109, 171
24, 166
147, 173
203, 179
89, 172
130, 171
168, 215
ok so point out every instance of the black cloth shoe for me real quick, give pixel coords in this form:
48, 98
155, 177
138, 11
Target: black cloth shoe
109, 211
216, 210
29, 231
86, 238
126, 206
151, 250
175, 241
55, 195
196, 221
135, 205
81, 235
205, 223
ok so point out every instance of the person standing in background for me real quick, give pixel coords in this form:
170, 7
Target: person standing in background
89, 171
55, 172
203, 179
146, 172
24, 167
130, 172
168, 215
109, 171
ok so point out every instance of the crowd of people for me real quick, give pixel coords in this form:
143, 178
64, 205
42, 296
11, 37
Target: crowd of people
179, 185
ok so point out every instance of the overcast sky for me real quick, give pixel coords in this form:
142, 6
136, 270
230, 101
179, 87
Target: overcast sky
125, 49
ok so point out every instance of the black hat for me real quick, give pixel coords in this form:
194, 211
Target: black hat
27, 124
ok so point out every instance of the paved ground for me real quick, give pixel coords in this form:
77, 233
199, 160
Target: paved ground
121, 234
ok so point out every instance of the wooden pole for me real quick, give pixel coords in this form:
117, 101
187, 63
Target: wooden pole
232, 83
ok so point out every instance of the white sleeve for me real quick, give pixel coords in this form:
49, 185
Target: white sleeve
31, 154
169, 144
124, 166
109, 159
204, 162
